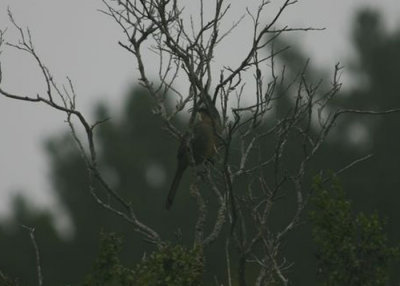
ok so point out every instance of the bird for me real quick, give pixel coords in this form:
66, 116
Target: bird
197, 146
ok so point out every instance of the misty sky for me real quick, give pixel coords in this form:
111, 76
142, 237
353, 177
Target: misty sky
73, 38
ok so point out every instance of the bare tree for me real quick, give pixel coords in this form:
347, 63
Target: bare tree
63, 98
186, 49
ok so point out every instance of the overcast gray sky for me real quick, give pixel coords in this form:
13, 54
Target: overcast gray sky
74, 39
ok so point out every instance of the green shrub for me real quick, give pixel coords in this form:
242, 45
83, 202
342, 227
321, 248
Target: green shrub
352, 249
170, 265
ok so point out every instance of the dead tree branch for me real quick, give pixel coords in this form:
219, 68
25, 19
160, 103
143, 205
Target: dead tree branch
31, 231
63, 99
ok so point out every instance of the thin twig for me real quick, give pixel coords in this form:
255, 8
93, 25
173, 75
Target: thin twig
348, 166
31, 231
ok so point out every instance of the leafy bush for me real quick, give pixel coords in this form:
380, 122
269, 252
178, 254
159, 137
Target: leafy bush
352, 249
168, 266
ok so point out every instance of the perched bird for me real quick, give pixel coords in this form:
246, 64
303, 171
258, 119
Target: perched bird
197, 146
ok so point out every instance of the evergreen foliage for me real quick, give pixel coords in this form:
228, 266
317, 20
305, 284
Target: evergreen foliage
171, 265
352, 249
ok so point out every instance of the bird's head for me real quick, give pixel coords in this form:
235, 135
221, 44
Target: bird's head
207, 109
209, 115
203, 114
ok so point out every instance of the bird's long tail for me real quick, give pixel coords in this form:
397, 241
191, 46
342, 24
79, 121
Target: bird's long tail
174, 186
